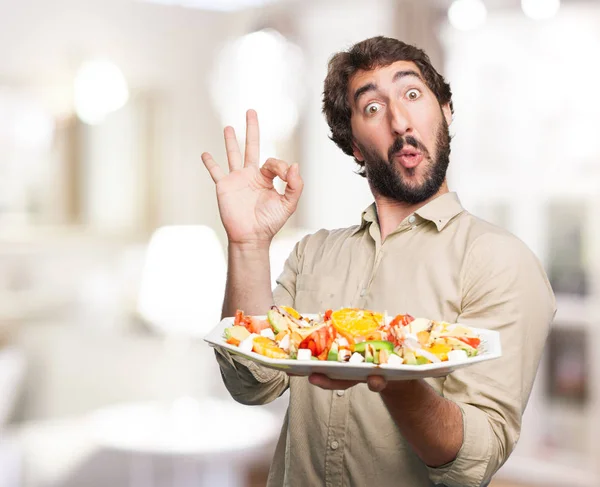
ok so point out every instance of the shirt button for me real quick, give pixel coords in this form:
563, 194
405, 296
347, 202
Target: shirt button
334, 445
412, 219
340, 393
363, 292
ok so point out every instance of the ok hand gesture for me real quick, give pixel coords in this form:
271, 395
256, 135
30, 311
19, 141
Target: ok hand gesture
251, 209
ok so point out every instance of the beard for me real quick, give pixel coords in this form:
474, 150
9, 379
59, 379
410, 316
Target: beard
386, 179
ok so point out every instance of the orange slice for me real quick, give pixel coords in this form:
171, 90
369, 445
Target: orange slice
292, 311
440, 349
267, 347
356, 322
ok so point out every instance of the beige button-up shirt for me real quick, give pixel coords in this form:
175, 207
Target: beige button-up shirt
441, 263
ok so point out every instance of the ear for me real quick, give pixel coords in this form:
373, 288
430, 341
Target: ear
358, 155
447, 113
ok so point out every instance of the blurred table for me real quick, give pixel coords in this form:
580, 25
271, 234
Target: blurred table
207, 440
201, 443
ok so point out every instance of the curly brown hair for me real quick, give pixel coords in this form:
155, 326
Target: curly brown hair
366, 55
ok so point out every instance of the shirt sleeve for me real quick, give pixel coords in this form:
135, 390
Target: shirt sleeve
284, 293
246, 381
504, 288
249, 383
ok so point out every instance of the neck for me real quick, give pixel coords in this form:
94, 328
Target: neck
392, 212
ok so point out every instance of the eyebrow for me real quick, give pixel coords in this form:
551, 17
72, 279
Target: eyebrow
373, 87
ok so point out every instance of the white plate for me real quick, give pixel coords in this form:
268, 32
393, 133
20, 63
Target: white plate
489, 349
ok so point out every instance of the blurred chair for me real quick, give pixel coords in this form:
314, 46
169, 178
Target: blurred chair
181, 291
12, 374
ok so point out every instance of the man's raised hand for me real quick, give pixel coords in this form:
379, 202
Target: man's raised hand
252, 211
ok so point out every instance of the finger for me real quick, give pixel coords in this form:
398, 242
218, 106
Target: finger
234, 156
376, 383
215, 171
252, 153
273, 168
294, 187
325, 382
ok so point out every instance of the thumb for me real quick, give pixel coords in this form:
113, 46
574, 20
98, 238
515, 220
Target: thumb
376, 383
294, 187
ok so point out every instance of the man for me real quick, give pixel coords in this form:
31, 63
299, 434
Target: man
416, 251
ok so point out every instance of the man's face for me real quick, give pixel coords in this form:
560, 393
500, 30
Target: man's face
400, 132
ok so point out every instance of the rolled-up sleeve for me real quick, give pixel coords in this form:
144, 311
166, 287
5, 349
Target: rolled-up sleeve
504, 288
248, 382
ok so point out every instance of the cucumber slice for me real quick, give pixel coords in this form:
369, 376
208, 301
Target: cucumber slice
277, 321
375, 345
333, 352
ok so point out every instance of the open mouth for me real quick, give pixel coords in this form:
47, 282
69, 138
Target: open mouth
409, 157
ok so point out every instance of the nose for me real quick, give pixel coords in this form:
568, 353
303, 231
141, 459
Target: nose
400, 120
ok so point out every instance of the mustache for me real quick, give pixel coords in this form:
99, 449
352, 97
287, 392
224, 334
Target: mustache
400, 142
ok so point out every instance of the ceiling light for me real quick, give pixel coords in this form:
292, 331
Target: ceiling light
467, 14
100, 89
261, 70
540, 9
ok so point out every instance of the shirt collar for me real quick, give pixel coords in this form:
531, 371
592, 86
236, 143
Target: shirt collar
438, 211
369, 215
441, 210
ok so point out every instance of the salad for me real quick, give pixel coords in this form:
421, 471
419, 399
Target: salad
352, 335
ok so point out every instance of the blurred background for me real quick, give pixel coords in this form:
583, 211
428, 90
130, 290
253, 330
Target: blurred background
111, 249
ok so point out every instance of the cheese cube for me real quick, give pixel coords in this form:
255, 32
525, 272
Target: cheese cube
356, 358
267, 332
285, 343
395, 359
304, 354
457, 356
247, 344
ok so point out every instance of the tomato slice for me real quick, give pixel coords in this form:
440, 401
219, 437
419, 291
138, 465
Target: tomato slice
323, 355
239, 317
471, 341
319, 341
401, 320
254, 325
407, 319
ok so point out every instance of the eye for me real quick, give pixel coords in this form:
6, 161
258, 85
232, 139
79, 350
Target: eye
413, 94
372, 108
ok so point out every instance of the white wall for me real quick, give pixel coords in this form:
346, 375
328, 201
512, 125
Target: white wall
333, 196
164, 52
526, 106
